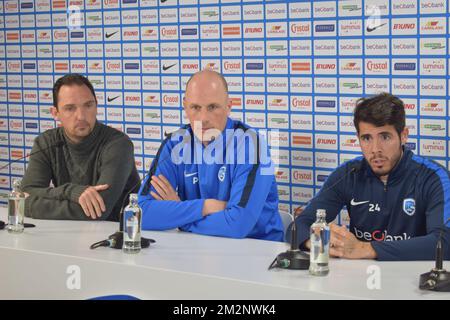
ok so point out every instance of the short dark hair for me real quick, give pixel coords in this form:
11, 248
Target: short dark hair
380, 110
68, 80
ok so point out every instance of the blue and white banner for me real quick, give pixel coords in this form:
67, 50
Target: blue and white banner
295, 66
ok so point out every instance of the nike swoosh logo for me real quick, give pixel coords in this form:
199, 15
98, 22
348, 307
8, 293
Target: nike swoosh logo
162, 1
112, 99
168, 67
354, 203
370, 29
109, 35
190, 174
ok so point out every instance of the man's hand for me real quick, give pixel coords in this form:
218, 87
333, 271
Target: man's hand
344, 244
212, 205
164, 190
92, 202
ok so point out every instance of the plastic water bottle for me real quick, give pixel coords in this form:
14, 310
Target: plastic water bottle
132, 218
16, 208
320, 241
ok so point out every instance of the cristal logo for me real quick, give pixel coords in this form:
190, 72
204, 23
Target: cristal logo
379, 235
301, 102
326, 141
296, 28
13, 65
11, 6
15, 124
169, 32
302, 176
376, 66
113, 65
232, 65
59, 34
170, 99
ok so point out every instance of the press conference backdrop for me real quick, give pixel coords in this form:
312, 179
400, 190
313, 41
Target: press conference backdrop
295, 66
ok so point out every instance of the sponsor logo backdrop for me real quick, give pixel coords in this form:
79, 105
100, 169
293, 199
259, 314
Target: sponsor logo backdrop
295, 66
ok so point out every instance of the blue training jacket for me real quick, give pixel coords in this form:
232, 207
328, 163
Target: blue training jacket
250, 192
402, 219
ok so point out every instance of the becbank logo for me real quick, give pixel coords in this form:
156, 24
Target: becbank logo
379, 235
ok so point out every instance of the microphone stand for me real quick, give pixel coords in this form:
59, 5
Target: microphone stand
293, 258
438, 279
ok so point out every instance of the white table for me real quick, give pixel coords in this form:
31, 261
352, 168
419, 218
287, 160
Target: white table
181, 265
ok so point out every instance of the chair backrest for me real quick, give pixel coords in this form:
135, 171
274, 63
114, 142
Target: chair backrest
286, 218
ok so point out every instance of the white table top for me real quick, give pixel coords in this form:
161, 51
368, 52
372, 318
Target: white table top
182, 266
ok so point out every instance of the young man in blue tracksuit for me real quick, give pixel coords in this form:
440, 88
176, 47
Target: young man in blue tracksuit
209, 177
398, 202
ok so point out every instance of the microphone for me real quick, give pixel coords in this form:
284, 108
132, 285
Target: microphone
294, 258
56, 145
438, 279
115, 240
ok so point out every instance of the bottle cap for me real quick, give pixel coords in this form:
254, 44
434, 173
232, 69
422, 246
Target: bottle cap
17, 183
133, 197
321, 213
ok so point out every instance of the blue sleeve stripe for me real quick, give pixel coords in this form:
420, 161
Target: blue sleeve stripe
250, 179
248, 186
443, 175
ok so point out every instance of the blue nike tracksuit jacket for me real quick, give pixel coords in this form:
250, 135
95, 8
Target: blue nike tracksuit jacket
401, 219
251, 194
